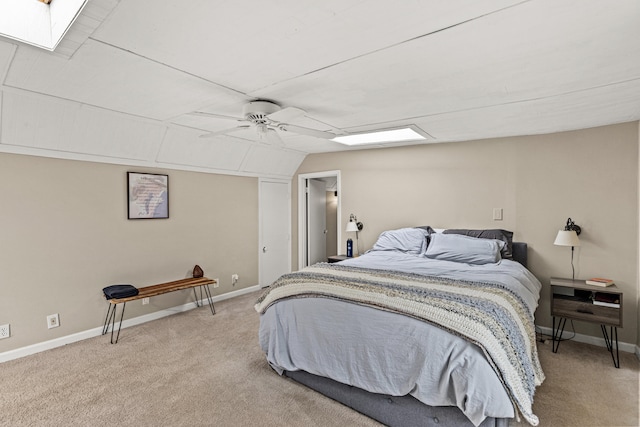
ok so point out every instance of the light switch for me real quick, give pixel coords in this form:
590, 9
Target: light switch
497, 214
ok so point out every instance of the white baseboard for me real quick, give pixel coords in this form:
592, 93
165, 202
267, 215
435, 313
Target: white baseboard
588, 339
79, 336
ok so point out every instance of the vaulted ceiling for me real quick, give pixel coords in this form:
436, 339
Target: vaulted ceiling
131, 79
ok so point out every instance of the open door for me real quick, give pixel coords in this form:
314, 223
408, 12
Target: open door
306, 254
316, 221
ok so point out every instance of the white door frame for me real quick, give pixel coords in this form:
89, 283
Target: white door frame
302, 212
260, 208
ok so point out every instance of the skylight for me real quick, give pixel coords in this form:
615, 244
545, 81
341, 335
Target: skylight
36, 22
409, 133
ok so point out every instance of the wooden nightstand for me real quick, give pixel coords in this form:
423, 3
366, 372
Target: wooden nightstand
574, 299
336, 258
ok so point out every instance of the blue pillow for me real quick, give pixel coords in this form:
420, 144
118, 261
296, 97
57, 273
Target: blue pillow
498, 234
407, 240
459, 248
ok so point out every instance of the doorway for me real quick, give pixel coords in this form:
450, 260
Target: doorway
319, 217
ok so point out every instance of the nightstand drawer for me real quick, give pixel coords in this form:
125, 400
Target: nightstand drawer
583, 310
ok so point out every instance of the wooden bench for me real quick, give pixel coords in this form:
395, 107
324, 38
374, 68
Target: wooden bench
154, 290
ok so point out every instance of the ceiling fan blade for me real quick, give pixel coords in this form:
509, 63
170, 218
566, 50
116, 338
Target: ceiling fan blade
286, 114
274, 138
213, 116
307, 131
225, 131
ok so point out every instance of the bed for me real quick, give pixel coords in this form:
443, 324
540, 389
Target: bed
425, 328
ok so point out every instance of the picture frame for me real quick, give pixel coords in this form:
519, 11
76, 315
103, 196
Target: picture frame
147, 195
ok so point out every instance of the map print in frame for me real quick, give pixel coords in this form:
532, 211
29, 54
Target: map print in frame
147, 195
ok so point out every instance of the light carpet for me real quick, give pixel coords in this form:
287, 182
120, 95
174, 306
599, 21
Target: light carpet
195, 369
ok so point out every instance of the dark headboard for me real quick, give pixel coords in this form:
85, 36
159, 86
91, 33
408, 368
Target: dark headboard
520, 252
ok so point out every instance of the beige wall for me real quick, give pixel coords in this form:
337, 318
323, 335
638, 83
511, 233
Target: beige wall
65, 235
539, 181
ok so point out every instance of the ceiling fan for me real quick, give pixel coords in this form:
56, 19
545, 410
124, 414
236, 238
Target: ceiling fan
268, 119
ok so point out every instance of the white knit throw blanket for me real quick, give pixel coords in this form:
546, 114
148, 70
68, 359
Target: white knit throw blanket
486, 314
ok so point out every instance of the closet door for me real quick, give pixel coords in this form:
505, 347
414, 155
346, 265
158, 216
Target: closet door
275, 230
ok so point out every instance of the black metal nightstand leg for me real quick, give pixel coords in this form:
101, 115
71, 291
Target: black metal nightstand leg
557, 333
608, 340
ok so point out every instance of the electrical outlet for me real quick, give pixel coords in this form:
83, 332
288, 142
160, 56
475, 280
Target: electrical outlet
145, 301
217, 283
53, 321
5, 332
234, 279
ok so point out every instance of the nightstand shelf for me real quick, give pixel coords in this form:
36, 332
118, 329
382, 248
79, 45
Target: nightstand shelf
336, 258
574, 299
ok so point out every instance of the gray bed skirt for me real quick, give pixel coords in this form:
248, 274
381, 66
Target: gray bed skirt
393, 411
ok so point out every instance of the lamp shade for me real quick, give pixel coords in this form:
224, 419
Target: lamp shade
352, 226
567, 238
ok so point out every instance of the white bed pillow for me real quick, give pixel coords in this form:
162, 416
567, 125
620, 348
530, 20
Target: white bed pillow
459, 248
407, 240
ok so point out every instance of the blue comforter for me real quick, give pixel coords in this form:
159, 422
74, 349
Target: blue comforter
384, 352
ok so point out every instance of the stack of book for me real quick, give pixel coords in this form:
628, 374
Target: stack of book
606, 300
599, 281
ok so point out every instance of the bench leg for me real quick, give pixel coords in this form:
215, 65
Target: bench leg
195, 295
105, 327
207, 291
113, 321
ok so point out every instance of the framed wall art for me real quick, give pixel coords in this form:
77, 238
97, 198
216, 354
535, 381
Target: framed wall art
147, 195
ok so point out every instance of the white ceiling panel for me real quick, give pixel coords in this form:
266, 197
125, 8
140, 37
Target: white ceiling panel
184, 147
595, 107
6, 54
99, 74
130, 77
533, 51
36, 121
254, 45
